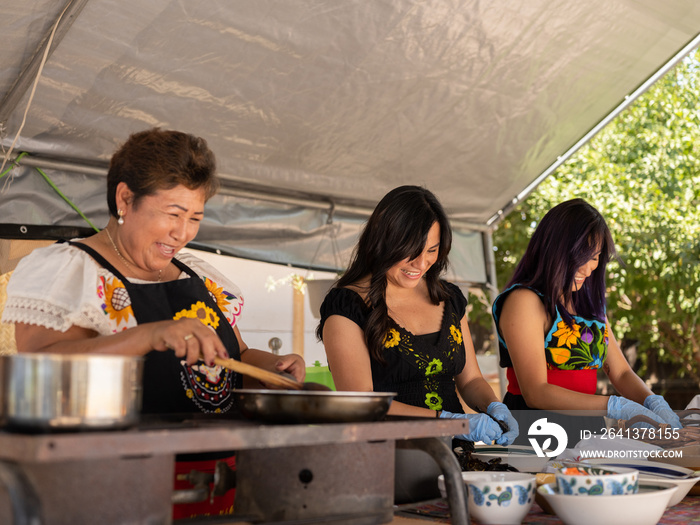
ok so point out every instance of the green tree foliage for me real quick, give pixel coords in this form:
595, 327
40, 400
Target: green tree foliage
642, 172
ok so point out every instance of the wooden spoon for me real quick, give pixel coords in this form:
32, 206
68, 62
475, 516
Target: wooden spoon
270, 378
284, 381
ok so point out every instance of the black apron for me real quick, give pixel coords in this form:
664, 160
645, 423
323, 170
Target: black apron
170, 386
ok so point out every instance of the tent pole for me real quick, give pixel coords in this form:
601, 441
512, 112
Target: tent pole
492, 285
297, 321
629, 99
248, 191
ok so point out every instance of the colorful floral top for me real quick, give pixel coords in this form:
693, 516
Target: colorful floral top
78, 291
420, 368
581, 346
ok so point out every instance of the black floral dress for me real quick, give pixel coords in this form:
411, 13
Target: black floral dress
420, 368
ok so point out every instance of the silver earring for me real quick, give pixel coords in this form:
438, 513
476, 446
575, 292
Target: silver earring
120, 220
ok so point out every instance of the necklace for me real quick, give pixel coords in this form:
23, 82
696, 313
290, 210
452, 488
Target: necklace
160, 272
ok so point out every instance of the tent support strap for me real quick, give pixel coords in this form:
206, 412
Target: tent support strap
26, 77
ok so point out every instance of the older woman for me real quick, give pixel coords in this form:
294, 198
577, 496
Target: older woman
128, 290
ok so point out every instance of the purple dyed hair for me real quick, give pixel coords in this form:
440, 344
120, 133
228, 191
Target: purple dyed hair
567, 238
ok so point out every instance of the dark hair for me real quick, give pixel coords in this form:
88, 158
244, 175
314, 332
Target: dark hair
566, 239
397, 229
161, 159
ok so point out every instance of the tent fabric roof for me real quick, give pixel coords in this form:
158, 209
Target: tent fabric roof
323, 105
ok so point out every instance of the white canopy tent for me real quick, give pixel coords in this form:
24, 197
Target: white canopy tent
316, 108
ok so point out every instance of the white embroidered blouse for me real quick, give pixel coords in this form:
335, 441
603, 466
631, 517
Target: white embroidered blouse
60, 286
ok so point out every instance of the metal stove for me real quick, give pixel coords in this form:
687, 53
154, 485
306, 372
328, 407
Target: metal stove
339, 473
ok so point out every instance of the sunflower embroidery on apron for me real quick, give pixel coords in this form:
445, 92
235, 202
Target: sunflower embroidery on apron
170, 385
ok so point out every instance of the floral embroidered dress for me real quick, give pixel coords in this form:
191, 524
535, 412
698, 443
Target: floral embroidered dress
77, 291
574, 353
420, 368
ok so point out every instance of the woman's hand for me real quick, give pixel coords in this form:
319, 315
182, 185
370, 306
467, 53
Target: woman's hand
500, 412
189, 339
659, 406
622, 408
292, 364
481, 427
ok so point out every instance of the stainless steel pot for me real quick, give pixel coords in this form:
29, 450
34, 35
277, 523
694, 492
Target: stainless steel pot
71, 392
304, 406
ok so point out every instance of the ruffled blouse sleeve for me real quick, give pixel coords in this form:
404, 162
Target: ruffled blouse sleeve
57, 287
60, 286
346, 303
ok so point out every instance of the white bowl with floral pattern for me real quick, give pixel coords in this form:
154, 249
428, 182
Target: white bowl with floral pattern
502, 498
643, 508
597, 481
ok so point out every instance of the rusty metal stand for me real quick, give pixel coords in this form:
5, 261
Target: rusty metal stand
445, 458
25, 503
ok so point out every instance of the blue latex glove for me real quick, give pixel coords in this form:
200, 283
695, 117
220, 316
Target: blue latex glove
481, 426
500, 412
623, 408
659, 406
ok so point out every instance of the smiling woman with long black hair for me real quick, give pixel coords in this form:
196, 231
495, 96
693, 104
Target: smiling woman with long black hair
391, 324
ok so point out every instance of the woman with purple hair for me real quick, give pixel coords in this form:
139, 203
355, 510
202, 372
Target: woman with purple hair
552, 326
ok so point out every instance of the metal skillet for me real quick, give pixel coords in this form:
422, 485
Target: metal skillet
307, 407
303, 403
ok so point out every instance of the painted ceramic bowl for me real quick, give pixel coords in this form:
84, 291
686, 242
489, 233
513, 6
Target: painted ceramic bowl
497, 497
644, 508
597, 481
652, 471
